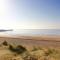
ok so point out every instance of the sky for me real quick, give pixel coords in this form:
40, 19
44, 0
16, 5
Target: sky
29, 14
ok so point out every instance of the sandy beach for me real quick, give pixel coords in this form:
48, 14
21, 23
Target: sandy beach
33, 40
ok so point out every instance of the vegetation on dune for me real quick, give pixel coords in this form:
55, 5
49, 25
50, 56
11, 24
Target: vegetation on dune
34, 49
19, 49
5, 43
30, 57
19, 52
48, 52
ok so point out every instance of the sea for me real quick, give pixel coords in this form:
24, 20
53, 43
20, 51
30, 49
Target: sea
32, 32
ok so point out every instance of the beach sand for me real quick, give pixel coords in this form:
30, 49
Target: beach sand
32, 40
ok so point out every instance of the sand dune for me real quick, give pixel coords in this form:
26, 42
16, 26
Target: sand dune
45, 45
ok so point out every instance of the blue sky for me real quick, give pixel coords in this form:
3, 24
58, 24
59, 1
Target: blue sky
30, 14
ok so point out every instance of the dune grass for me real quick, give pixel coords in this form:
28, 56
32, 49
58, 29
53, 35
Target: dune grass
19, 52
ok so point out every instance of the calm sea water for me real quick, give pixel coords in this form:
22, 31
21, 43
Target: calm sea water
33, 32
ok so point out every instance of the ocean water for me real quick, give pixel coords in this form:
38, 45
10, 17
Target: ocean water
33, 32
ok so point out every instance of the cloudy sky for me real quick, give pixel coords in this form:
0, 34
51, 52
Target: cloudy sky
30, 14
